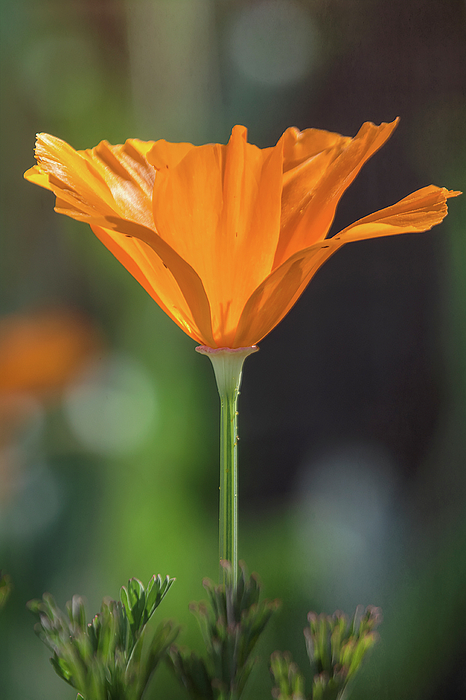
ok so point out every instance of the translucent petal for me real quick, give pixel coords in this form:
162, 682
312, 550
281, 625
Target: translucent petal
177, 289
314, 213
418, 211
272, 300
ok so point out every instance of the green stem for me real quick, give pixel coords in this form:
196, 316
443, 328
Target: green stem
228, 506
228, 366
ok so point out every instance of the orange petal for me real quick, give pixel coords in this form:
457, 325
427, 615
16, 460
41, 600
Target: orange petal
94, 184
272, 300
72, 177
418, 211
300, 181
37, 177
128, 175
306, 156
250, 223
300, 146
312, 219
169, 280
187, 203
164, 154
110, 187
219, 209
278, 293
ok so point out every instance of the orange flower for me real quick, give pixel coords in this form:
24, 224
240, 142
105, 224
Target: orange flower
42, 352
225, 238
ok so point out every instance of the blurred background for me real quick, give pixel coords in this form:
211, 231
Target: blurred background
352, 416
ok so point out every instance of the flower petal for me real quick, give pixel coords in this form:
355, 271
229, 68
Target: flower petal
278, 293
164, 154
272, 300
175, 287
418, 211
96, 183
300, 146
302, 175
314, 215
219, 208
37, 177
187, 203
110, 187
250, 223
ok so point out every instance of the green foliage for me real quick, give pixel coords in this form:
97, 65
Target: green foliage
5, 588
110, 658
107, 659
290, 683
231, 622
336, 648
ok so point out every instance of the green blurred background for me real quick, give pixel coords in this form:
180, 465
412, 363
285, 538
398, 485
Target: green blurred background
353, 414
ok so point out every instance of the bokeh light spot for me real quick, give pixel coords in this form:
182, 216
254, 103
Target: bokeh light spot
112, 407
274, 42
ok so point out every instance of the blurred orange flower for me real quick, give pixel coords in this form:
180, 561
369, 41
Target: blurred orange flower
225, 238
41, 352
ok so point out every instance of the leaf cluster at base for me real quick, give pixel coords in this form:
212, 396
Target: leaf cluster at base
231, 622
108, 658
336, 648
